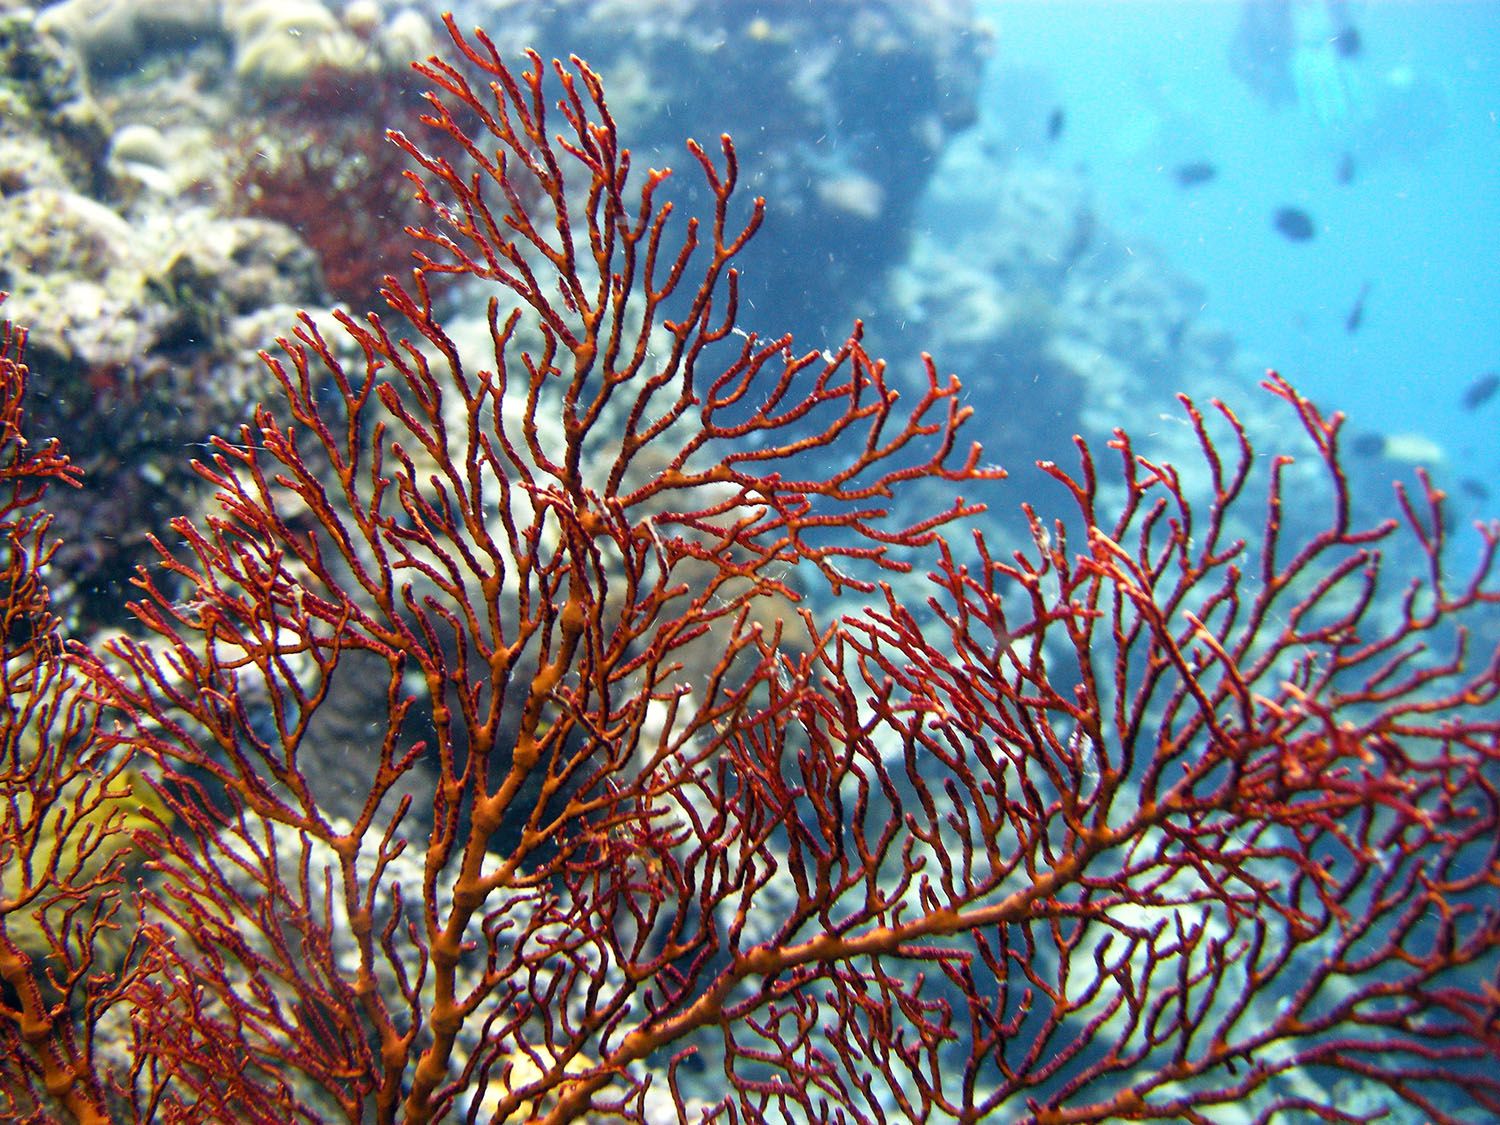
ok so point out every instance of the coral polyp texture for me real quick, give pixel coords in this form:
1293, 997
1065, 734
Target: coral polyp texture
705, 768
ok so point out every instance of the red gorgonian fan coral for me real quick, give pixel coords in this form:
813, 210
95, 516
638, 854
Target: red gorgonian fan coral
67, 805
1139, 822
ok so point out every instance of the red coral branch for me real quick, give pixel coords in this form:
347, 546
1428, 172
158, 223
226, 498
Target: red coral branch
67, 807
1141, 821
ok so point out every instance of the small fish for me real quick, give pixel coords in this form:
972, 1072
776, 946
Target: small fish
1348, 42
1344, 171
1056, 123
1195, 173
1368, 445
1294, 224
1481, 390
1357, 313
1476, 489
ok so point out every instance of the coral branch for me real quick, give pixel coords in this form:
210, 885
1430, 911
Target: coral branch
551, 725
67, 808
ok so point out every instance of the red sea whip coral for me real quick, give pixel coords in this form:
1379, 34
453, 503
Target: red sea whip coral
1139, 822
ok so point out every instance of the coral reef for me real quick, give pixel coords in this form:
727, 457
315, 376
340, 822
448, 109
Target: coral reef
1142, 820
128, 241
184, 116
840, 110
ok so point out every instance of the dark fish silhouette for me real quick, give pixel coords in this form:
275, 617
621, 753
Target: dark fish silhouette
1481, 390
1294, 224
1475, 488
1344, 172
1357, 313
1056, 123
1368, 445
1347, 41
1198, 172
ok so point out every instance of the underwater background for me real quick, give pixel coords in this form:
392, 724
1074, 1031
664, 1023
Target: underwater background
1082, 208
1376, 120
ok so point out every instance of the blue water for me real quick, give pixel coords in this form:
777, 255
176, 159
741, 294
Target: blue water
1144, 88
